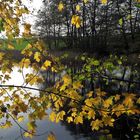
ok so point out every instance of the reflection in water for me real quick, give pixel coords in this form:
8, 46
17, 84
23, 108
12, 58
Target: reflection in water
62, 130
124, 79
59, 129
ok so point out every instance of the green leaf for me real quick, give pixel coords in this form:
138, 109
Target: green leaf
1, 25
119, 62
102, 138
83, 58
137, 5
96, 63
121, 22
136, 136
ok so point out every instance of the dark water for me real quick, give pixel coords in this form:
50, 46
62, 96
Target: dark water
45, 126
119, 81
62, 130
124, 79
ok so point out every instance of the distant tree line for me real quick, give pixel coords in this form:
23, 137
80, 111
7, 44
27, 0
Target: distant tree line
114, 25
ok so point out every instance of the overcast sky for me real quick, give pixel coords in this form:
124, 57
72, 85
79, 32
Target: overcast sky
34, 6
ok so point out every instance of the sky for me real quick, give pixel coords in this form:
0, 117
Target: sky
34, 6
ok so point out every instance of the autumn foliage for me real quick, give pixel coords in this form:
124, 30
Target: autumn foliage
100, 108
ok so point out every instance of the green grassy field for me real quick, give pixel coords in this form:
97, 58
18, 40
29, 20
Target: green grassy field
19, 43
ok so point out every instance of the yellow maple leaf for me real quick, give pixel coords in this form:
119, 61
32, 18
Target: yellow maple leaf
41, 114
108, 102
51, 136
104, 113
1, 55
53, 69
52, 116
11, 47
73, 114
91, 114
31, 126
69, 119
118, 110
88, 102
132, 111
85, 1
77, 85
53, 97
27, 28
78, 7
78, 119
39, 45
27, 134
138, 101
60, 6
22, 106
7, 124
18, 12
104, 2
96, 124
37, 56
138, 0
58, 104
117, 97
129, 100
76, 21
93, 101
90, 94
20, 119
73, 94
25, 62
67, 79
100, 93
60, 116
108, 121
46, 64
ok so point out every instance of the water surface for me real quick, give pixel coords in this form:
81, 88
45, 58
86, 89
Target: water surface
44, 127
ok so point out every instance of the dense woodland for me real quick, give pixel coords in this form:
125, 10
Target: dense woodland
111, 27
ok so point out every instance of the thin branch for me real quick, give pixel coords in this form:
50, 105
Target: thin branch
75, 100
25, 130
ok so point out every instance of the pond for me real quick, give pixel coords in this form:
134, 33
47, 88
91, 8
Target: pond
121, 79
44, 127
61, 130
